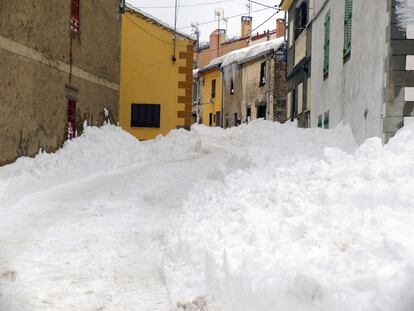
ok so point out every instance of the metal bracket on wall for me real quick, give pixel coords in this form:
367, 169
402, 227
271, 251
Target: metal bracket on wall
71, 92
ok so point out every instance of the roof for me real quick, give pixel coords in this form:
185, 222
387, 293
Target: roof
286, 4
209, 68
244, 55
157, 21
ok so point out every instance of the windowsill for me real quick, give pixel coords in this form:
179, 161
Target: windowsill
347, 57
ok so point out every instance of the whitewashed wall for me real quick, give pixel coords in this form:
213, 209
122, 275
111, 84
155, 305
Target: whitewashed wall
353, 92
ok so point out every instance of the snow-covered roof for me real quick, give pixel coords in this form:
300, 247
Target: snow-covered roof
248, 53
157, 21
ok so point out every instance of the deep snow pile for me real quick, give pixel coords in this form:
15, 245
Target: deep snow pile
299, 220
405, 12
96, 152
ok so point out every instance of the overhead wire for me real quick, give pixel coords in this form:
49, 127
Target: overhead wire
150, 34
230, 17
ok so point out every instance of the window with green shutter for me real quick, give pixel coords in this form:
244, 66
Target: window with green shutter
347, 28
326, 44
326, 120
320, 120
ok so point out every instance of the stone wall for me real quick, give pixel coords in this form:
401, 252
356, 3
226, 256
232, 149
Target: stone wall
39, 58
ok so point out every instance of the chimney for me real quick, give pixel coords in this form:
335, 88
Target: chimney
217, 37
280, 27
246, 26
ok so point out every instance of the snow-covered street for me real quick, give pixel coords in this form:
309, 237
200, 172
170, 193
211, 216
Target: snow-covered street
260, 217
92, 242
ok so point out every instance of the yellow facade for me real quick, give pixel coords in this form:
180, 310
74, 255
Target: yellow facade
212, 106
149, 76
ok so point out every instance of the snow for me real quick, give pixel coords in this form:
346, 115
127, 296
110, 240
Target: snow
242, 55
259, 217
299, 220
405, 13
82, 229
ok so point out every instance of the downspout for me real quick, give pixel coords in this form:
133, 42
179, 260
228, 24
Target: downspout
268, 86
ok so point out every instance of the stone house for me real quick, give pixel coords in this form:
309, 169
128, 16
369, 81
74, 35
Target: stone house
59, 67
254, 84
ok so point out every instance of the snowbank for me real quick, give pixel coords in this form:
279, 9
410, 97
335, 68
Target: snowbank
97, 151
240, 56
405, 12
304, 220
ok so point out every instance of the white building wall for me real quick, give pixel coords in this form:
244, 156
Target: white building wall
353, 91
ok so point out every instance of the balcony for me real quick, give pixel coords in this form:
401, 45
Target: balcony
300, 47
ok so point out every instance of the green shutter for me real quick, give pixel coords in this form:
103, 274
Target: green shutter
326, 44
326, 120
320, 121
348, 27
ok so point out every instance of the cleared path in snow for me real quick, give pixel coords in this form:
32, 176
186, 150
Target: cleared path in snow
97, 243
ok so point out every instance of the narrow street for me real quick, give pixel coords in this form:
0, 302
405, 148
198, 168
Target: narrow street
96, 243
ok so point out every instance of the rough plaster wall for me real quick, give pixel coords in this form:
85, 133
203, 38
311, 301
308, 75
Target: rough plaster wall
232, 102
355, 89
253, 95
33, 103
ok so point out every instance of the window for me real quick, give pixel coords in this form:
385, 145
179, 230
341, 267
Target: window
326, 45
326, 120
235, 119
300, 98
210, 119
262, 74
213, 88
248, 114
74, 20
261, 112
145, 115
232, 86
301, 18
71, 124
347, 28
320, 121
218, 119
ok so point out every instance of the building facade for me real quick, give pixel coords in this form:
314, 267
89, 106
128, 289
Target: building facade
300, 13
255, 86
156, 76
57, 70
362, 72
211, 102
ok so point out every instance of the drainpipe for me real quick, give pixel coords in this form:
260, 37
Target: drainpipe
268, 85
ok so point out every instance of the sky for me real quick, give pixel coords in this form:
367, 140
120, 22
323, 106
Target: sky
203, 11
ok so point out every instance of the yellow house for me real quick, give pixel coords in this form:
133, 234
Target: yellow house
211, 95
156, 76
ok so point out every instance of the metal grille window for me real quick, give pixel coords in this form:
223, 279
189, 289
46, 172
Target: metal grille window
347, 27
145, 115
326, 44
75, 17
